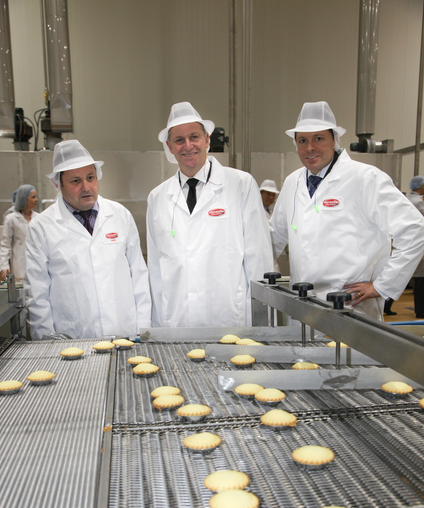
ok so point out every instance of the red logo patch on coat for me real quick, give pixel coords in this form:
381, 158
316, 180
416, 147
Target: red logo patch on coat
217, 212
111, 236
330, 202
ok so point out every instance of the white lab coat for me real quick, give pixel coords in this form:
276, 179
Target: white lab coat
13, 243
86, 286
7, 212
200, 276
346, 239
268, 215
417, 200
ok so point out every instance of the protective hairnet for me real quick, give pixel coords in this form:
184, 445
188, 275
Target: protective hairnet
22, 196
181, 113
416, 182
269, 186
14, 196
315, 117
69, 155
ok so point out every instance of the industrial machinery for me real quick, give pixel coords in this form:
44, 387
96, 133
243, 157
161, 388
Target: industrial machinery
10, 306
92, 437
217, 140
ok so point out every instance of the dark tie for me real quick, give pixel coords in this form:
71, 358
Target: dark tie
314, 181
191, 198
86, 214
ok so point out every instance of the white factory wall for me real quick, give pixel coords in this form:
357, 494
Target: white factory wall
131, 60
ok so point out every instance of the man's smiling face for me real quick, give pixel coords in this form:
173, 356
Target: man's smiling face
189, 143
315, 149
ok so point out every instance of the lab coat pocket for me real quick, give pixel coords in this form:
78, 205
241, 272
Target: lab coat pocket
332, 204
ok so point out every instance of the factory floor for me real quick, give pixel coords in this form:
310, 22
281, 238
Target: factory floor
404, 307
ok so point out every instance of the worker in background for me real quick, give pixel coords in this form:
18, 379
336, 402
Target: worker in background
12, 208
416, 197
207, 235
269, 193
85, 273
338, 217
12, 250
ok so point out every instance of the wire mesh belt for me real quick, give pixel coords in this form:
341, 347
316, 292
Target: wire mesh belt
378, 445
5, 342
378, 463
198, 384
50, 436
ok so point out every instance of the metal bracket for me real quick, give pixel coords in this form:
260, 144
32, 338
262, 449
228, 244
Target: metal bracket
398, 349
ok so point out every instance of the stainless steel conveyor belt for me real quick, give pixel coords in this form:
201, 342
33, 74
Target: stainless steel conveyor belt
377, 441
93, 438
50, 436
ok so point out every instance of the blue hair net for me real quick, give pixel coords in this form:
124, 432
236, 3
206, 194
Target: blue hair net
22, 196
416, 182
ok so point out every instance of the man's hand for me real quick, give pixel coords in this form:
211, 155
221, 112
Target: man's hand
360, 291
3, 274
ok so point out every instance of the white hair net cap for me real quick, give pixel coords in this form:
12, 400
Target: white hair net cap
269, 186
315, 117
69, 155
416, 182
181, 113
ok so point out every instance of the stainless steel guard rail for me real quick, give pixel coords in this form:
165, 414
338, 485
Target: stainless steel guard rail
398, 349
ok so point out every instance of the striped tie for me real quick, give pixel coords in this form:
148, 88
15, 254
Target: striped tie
314, 181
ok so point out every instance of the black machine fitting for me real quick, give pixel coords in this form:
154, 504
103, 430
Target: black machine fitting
338, 298
272, 277
303, 288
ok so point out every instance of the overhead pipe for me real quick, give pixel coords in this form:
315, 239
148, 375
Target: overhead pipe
233, 83
7, 91
369, 16
367, 67
247, 84
58, 59
419, 105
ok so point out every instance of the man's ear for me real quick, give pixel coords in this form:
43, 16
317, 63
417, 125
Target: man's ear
168, 144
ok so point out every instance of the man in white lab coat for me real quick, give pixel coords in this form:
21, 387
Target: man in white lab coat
338, 217
207, 234
269, 194
85, 273
416, 198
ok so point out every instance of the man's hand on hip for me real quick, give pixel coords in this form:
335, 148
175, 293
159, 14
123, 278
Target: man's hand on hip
360, 291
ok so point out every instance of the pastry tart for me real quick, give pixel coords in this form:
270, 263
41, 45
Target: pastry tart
10, 387
203, 441
145, 369
103, 346
194, 412
41, 377
72, 353
168, 402
226, 480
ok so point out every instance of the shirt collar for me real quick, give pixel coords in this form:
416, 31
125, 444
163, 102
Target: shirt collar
72, 209
201, 175
323, 171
